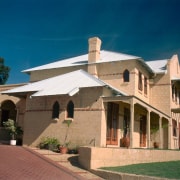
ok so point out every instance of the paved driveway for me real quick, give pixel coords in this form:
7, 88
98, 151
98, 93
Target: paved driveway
23, 164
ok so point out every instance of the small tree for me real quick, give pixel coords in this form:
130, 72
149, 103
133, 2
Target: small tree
4, 72
13, 129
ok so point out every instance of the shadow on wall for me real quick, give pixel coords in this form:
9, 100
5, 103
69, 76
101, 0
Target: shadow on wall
39, 123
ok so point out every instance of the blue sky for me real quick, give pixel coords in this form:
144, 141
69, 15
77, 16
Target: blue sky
37, 32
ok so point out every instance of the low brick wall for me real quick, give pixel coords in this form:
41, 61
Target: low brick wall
94, 157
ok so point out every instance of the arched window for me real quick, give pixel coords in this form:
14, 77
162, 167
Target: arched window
55, 112
70, 110
126, 76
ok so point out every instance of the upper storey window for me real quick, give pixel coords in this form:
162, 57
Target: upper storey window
140, 84
145, 86
126, 76
175, 94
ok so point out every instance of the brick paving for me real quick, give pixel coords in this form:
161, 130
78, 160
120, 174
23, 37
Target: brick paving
21, 163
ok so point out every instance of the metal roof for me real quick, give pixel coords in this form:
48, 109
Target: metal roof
105, 56
158, 66
69, 84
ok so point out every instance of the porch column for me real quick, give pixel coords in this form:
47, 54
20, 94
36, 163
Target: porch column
148, 130
132, 124
160, 133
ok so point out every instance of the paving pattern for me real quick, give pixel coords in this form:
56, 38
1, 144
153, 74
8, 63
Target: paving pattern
21, 163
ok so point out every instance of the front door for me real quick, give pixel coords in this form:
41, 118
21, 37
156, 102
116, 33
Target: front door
143, 131
112, 124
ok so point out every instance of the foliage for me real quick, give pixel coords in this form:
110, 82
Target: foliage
66, 144
154, 129
4, 72
170, 169
13, 129
49, 142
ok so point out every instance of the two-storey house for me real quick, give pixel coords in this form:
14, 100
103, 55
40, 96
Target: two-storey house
105, 96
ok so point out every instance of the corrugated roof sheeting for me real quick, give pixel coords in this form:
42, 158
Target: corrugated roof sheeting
158, 66
69, 83
105, 56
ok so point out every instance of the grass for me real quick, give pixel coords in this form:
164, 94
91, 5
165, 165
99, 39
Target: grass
170, 169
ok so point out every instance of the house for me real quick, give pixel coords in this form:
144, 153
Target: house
104, 95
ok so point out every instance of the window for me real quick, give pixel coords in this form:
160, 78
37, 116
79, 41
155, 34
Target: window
55, 112
173, 91
126, 76
176, 94
174, 126
145, 85
140, 82
70, 110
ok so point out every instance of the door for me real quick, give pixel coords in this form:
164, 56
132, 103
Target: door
143, 131
112, 124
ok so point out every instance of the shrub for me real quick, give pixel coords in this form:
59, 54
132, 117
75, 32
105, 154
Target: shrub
51, 143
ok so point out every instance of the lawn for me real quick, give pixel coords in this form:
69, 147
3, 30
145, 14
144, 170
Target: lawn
169, 169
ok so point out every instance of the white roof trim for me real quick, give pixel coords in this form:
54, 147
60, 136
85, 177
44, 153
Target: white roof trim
175, 79
74, 91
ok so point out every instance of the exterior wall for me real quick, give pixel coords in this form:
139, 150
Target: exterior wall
161, 87
48, 73
113, 75
141, 93
175, 72
94, 157
19, 104
85, 128
161, 93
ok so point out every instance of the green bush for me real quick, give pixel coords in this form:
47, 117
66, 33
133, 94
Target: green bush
12, 127
51, 143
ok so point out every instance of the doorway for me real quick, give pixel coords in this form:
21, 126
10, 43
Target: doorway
8, 111
112, 123
143, 131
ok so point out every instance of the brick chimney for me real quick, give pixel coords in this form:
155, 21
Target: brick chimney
94, 54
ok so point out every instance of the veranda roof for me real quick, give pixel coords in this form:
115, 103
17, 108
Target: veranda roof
69, 84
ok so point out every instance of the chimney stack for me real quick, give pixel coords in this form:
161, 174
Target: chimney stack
94, 49
94, 54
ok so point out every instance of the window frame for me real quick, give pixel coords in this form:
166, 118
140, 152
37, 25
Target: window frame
70, 109
55, 110
126, 77
140, 83
145, 86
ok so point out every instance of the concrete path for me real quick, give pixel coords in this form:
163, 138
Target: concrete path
21, 163
69, 161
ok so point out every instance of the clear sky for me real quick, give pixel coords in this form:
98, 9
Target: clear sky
37, 32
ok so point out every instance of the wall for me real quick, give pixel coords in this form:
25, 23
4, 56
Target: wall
85, 128
94, 157
48, 73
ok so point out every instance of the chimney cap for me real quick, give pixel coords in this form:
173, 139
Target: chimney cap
94, 39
